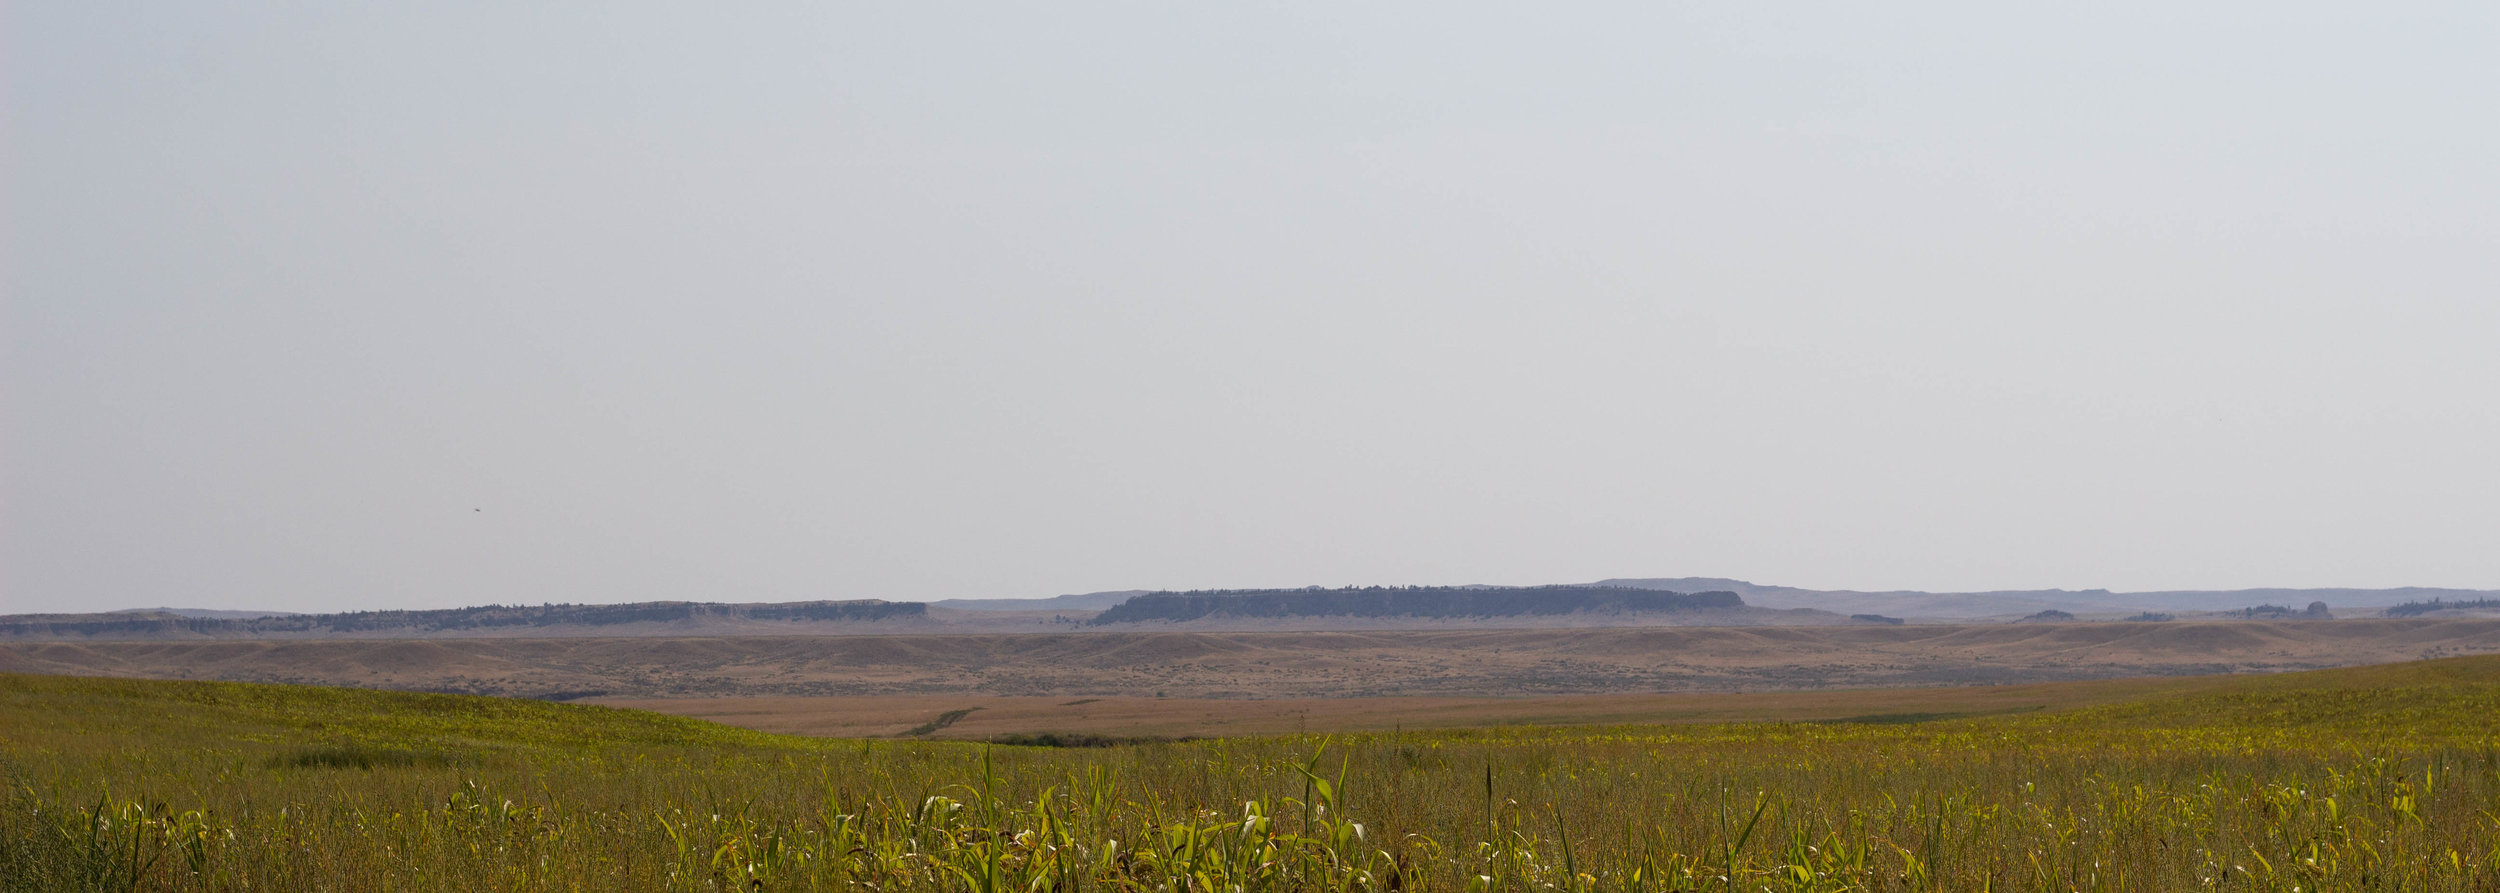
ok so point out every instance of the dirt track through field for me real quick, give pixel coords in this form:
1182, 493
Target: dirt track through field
1282, 665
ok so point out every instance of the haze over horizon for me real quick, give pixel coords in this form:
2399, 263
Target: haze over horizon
408, 306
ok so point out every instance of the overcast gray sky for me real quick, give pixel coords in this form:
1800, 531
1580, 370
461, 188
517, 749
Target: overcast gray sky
330, 305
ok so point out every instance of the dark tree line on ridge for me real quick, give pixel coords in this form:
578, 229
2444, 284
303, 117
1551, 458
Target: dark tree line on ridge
2417, 609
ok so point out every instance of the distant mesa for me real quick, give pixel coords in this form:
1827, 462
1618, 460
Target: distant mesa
1924, 606
1428, 602
1670, 601
450, 620
211, 613
1088, 601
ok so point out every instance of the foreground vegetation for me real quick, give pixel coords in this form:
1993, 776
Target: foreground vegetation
2382, 778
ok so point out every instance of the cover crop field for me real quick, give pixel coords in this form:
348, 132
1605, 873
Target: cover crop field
2375, 778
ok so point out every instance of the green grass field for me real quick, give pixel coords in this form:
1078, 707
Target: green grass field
2378, 778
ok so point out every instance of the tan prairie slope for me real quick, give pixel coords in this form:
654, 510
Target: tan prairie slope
1235, 665
1071, 720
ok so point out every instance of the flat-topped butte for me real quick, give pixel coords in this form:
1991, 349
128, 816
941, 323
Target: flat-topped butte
1416, 601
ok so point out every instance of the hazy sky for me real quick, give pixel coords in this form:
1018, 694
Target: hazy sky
352, 305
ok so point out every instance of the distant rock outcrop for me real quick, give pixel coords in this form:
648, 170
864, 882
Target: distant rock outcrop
1876, 618
2051, 615
1418, 601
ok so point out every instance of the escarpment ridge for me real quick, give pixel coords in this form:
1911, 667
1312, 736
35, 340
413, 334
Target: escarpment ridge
1407, 601
482, 620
